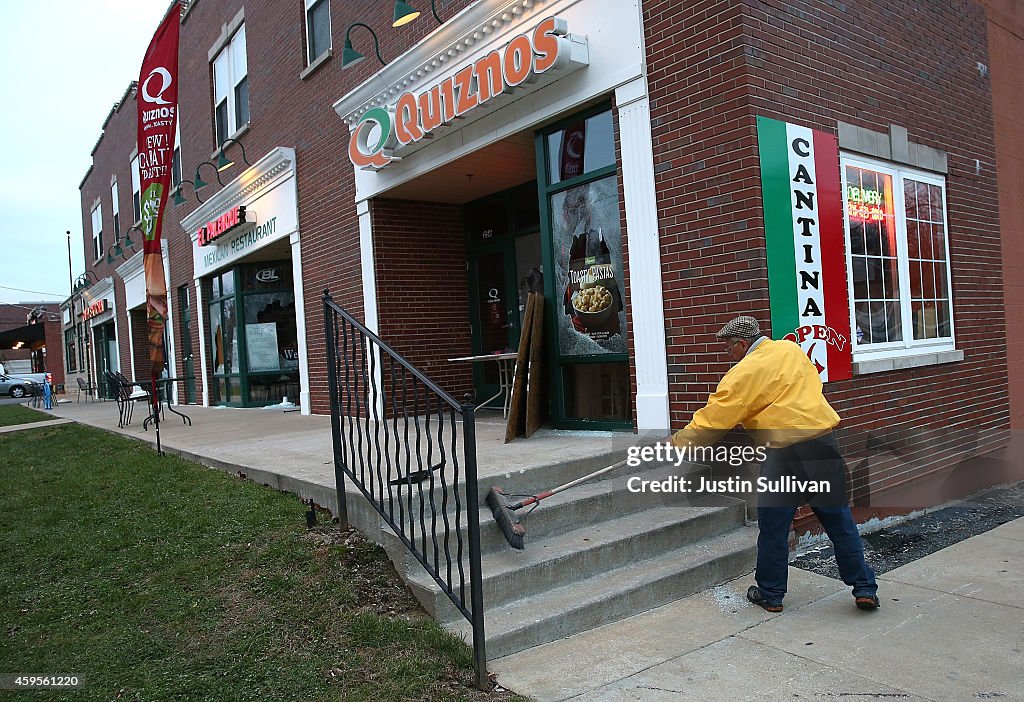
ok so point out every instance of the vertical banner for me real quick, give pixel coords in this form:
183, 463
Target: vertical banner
157, 99
803, 221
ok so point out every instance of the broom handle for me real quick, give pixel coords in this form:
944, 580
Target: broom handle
574, 483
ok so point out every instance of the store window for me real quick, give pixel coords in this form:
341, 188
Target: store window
253, 336
583, 216
231, 88
97, 232
176, 156
898, 259
318, 28
69, 350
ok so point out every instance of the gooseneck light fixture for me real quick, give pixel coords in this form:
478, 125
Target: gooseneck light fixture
199, 182
117, 248
349, 56
179, 199
84, 280
405, 13
223, 162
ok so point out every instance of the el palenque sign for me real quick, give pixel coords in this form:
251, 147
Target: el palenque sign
415, 116
228, 221
803, 220
95, 309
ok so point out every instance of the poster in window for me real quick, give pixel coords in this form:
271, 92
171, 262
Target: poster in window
261, 347
589, 269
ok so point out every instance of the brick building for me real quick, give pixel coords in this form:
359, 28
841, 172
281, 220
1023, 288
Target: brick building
30, 339
620, 157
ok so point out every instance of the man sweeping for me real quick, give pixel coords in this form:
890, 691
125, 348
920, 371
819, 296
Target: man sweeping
775, 392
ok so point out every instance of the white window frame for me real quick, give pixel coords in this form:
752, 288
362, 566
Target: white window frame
233, 53
176, 167
136, 191
97, 231
908, 346
310, 4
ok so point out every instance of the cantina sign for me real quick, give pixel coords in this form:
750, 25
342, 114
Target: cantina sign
416, 116
95, 309
222, 225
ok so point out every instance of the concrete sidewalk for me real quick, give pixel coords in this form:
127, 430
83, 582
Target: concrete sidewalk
951, 627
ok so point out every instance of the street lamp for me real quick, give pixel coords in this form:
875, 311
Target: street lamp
179, 199
404, 13
223, 162
199, 182
118, 251
349, 56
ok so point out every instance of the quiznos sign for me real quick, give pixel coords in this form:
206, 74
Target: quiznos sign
415, 116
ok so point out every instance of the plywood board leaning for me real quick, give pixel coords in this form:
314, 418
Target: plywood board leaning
535, 393
517, 406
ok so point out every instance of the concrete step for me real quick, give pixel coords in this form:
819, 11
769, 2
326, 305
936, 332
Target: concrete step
584, 551
583, 604
588, 503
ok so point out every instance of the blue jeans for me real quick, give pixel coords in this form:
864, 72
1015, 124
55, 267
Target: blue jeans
818, 457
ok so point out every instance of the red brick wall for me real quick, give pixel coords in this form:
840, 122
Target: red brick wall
422, 289
714, 66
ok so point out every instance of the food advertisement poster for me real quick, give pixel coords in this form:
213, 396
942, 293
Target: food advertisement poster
588, 268
261, 346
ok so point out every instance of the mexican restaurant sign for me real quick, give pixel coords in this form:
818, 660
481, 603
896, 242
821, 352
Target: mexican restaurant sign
803, 220
416, 116
232, 219
95, 309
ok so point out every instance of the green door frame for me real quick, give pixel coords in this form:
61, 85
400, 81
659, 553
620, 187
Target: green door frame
551, 312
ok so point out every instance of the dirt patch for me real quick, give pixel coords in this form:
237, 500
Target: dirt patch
892, 547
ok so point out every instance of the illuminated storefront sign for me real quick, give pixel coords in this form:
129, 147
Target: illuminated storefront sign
864, 205
222, 225
415, 116
95, 309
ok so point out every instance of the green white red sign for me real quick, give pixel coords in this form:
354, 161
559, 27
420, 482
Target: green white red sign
805, 242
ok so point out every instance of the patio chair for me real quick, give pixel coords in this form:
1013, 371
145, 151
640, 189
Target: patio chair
128, 394
87, 388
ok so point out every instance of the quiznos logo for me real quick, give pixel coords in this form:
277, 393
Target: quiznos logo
415, 116
158, 80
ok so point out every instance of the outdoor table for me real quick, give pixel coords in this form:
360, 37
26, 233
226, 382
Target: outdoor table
506, 371
160, 403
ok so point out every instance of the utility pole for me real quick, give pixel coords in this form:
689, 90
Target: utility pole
71, 277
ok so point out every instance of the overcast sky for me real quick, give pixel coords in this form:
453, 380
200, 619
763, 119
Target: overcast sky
63, 65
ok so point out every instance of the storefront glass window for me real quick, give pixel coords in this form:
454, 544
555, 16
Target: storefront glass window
270, 340
582, 147
899, 256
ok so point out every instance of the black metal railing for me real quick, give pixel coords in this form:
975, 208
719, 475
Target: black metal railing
410, 449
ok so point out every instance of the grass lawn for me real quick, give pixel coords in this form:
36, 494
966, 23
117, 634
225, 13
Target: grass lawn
16, 414
158, 579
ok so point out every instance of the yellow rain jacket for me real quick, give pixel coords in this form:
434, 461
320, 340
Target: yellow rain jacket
774, 392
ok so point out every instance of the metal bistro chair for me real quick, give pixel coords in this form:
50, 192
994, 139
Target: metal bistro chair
122, 390
87, 388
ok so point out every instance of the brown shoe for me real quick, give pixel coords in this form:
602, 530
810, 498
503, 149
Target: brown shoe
867, 602
755, 595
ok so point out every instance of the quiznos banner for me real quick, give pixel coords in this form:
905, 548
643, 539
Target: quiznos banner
157, 99
803, 221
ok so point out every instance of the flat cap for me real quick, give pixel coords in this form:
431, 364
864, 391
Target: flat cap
742, 327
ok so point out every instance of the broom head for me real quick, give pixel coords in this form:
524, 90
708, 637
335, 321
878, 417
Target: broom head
507, 520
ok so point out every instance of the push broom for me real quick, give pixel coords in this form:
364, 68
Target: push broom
504, 510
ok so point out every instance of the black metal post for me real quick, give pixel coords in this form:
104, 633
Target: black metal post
330, 336
476, 591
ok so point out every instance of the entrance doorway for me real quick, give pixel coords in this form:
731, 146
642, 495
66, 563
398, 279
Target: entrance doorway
505, 265
106, 357
187, 357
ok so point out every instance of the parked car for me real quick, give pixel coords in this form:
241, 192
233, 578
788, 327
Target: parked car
18, 387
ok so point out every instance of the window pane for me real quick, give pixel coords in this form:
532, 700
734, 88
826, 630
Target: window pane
270, 336
942, 319
220, 77
176, 168
242, 103
216, 338
910, 195
582, 147
222, 122
227, 283
939, 242
319, 29
238, 62
597, 391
